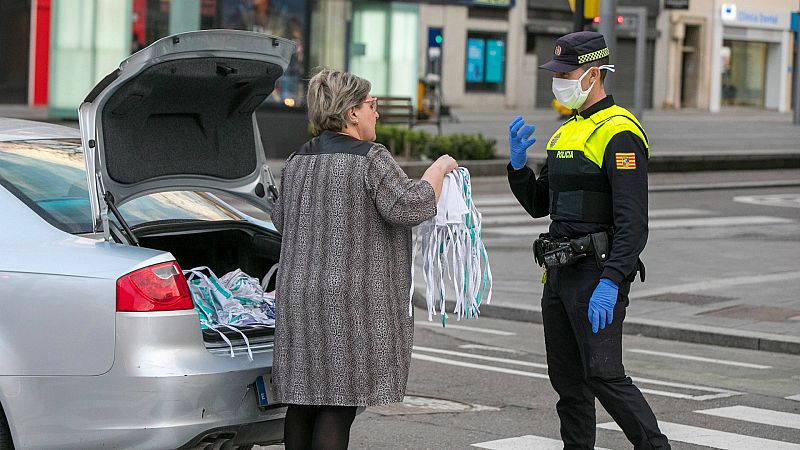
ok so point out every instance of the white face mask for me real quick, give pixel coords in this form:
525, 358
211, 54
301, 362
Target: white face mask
569, 92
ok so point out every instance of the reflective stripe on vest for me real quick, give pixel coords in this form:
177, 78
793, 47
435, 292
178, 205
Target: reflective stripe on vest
579, 187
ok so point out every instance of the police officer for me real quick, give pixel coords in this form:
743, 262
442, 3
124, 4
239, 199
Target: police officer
594, 186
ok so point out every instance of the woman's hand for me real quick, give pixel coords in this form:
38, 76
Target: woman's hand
437, 171
446, 163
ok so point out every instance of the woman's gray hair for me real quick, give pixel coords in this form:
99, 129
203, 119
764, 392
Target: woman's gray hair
331, 94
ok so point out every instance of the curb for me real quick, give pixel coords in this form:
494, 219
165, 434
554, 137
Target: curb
697, 334
658, 163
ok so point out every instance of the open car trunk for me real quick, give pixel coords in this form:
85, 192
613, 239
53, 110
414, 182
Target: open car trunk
223, 247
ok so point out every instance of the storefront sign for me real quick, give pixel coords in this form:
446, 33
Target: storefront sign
676, 4
494, 60
754, 18
475, 58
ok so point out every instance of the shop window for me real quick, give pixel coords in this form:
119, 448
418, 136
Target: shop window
154, 19
485, 63
744, 67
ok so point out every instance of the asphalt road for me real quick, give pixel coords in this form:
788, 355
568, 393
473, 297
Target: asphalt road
500, 379
483, 384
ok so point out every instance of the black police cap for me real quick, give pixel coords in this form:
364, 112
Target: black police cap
576, 49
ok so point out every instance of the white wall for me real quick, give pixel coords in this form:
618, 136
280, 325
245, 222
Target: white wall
455, 23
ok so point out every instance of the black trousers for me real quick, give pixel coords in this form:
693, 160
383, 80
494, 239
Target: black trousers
583, 366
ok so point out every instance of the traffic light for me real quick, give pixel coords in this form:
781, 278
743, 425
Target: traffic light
435, 38
591, 8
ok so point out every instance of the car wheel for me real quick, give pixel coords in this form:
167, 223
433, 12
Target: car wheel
5, 433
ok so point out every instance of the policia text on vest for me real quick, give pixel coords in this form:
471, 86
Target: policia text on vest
594, 187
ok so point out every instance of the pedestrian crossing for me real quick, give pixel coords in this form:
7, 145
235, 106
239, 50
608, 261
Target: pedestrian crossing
503, 216
687, 434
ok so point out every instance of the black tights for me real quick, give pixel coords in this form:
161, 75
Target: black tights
318, 427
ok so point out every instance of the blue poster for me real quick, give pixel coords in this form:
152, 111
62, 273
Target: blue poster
495, 57
475, 56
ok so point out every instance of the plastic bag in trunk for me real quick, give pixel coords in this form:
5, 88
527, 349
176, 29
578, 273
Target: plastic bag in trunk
235, 300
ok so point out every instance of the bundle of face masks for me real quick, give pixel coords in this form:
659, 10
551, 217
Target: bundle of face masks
451, 243
232, 301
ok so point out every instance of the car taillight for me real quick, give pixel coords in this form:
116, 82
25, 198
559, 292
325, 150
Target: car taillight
161, 287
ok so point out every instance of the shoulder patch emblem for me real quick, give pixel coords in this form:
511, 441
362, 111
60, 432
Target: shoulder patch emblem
626, 161
555, 139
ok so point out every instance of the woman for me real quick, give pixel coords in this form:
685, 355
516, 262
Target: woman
343, 332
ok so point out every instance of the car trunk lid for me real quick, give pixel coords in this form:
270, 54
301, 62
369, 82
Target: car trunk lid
179, 115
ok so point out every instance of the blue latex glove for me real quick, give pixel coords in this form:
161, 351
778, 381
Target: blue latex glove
601, 305
518, 134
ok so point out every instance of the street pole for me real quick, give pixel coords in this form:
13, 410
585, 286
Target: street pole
641, 54
577, 18
608, 24
796, 70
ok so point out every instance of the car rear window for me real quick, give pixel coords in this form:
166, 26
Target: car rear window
50, 177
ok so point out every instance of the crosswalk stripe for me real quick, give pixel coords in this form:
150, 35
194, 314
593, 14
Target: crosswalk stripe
717, 222
512, 219
712, 393
526, 442
494, 200
481, 357
462, 327
659, 224
503, 209
794, 397
712, 438
517, 216
757, 415
699, 358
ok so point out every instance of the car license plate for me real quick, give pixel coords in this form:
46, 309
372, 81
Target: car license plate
264, 394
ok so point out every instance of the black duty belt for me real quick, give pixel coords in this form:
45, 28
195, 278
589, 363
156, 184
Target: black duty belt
553, 252
550, 252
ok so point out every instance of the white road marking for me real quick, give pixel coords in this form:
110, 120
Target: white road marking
794, 397
659, 224
462, 327
478, 366
481, 357
785, 200
699, 358
756, 415
490, 348
507, 215
717, 222
679, 212
526, 442
713, 438
719, 283
715, 392
496, 200
511, 219
503, 209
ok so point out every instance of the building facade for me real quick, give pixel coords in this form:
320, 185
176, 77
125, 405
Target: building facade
712, 54
721, 54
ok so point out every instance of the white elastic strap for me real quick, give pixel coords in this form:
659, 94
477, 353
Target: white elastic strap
224, 338
268, 276
608, 67
246, 341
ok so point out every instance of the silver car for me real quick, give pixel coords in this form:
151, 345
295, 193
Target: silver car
100, 346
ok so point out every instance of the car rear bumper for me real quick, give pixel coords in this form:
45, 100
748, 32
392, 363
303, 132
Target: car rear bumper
164, 390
